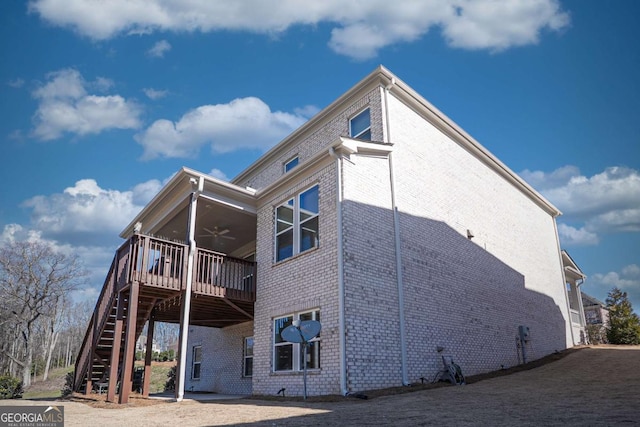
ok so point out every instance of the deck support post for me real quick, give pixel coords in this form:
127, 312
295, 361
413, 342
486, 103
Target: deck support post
114, 364
129, 344
147, 357
186, 299
89, 385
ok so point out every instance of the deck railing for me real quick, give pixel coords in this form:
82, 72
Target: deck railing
100, 315
162, 263
217, 274
575, 317
158, 262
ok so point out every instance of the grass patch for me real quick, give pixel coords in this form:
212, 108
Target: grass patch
49, 389
159, 375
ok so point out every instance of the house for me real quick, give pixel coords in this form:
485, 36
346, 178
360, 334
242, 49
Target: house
380, 218
574, 279
596, 315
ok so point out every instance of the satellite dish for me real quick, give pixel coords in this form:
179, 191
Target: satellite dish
302, 333
291, 334
308, 330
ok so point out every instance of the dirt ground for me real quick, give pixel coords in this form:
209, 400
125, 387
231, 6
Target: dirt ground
591, 386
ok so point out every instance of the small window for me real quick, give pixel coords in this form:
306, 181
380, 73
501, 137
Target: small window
196, 362
290, 164
288, 356
360, 126
247, 370
297, 224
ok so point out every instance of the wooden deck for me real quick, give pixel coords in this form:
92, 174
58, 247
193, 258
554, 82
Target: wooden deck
148, 280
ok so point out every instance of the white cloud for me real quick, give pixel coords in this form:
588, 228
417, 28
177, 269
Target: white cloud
86, 214
95, 259
243, 123
307, 111
159, 49
571, 236
103, 84
65, 106
627, 280
606, 202
155, 94
543, 181
359, 30
614, 189
83, 220
16, 83
499, 25
217, 173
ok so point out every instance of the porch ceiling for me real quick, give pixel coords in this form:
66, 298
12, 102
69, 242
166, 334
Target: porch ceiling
225, 216
219, 227
205, 311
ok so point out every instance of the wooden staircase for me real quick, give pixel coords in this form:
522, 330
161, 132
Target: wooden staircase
147, 279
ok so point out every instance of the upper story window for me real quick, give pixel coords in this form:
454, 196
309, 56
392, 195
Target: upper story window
297, 224
360, 126
291, 163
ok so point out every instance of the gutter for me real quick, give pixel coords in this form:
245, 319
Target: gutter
340, 255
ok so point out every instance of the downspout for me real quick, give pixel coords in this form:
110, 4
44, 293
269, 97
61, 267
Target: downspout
340, 255
398, 246
581, 307
564, 281
184, 333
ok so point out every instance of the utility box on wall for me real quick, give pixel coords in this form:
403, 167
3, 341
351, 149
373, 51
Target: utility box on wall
523, 332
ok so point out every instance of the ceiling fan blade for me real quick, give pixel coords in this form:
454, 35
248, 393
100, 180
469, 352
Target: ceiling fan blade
223, 232
208, 231
227, 237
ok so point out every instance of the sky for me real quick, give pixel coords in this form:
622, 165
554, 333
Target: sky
102, 102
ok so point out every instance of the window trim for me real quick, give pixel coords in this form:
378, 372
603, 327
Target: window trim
194, 362
296, 349
286, 168
246, 356
365, 130
296, 225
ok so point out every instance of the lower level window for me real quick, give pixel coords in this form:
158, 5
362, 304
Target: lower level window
196, 362
248, 357
290, 356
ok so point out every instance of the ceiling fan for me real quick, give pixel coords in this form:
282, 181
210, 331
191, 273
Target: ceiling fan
215, 233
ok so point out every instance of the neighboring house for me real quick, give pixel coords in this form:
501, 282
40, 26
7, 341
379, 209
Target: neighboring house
380, 218
574, 279
596, 315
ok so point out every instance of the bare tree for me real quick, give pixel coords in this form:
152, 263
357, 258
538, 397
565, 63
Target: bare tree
34, 278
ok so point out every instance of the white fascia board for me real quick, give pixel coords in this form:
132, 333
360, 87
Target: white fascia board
356, 146
573, 273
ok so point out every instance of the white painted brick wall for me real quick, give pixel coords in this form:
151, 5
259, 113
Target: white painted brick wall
222, 359
470, 296
371, 295
306, 281
309, 280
